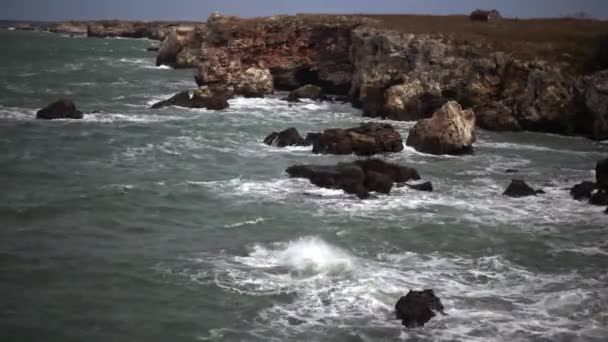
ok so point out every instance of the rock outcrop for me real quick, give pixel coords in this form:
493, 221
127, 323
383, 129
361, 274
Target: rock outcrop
451, 130
366, 140
156, 30
601, 174
358, 178
60, 109
583, 191
418, 307
593, 105
203, 97
180, 46
519, 188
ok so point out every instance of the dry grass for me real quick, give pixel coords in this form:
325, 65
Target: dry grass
570, 40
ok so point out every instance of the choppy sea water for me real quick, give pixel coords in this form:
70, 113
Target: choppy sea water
180, 225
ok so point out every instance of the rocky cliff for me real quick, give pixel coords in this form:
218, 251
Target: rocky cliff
390, 74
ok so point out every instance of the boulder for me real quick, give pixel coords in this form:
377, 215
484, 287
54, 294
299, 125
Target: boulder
288, 137
181, 100
496, 117
176, 44
366, 140
583, 190
60, 109
601, 174
308, 91
417, 308
519, 188
451, 130
360, 177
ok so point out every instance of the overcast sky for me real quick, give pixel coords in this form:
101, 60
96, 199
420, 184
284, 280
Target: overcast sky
199, 10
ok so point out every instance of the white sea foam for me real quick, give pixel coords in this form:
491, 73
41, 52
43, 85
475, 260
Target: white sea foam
332, 286
245, 223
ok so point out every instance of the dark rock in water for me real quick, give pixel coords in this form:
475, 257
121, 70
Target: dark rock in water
359, 178
344, 176
540, 192
378, 182
417, 308
583, 190
153, 49
181, 100
312, 138
428, 186
308, 91
511, 171
519, 188
601, 174
451, 130
288, 137
203, 97
398, 173
366, 140
606, 212
600, 197
60, 109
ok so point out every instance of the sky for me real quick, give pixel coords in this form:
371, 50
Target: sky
199, 10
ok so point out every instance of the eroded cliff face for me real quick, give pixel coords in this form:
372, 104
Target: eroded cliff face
391, 74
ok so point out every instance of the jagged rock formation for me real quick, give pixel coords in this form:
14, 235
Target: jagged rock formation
451, 130
203, 97
390, 74
519, 188
359, 178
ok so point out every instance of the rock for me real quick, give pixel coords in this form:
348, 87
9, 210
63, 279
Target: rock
497, 117
599, 197
583, 190
347, 177
378, 182
519, 188
308, 91
451, 130
205, 97
60, 109
398, 173
366, 140
606, 212
593, 105
155, 30
359, 177
174, 49
511, 171
427, 186
181, 100
601, 174
288, 137
417, 308
153, 49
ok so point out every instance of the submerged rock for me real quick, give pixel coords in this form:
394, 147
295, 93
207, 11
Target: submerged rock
360, 177
600, 197
366, 140
451, 130
417, 308
288, 137
60, 109
583, 190
519, 188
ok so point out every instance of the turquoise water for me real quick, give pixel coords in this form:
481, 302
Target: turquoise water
180, 225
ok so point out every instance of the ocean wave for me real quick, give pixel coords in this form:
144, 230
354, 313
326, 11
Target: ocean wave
245, 223
485, 297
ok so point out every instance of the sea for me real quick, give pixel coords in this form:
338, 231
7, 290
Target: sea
179, 224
